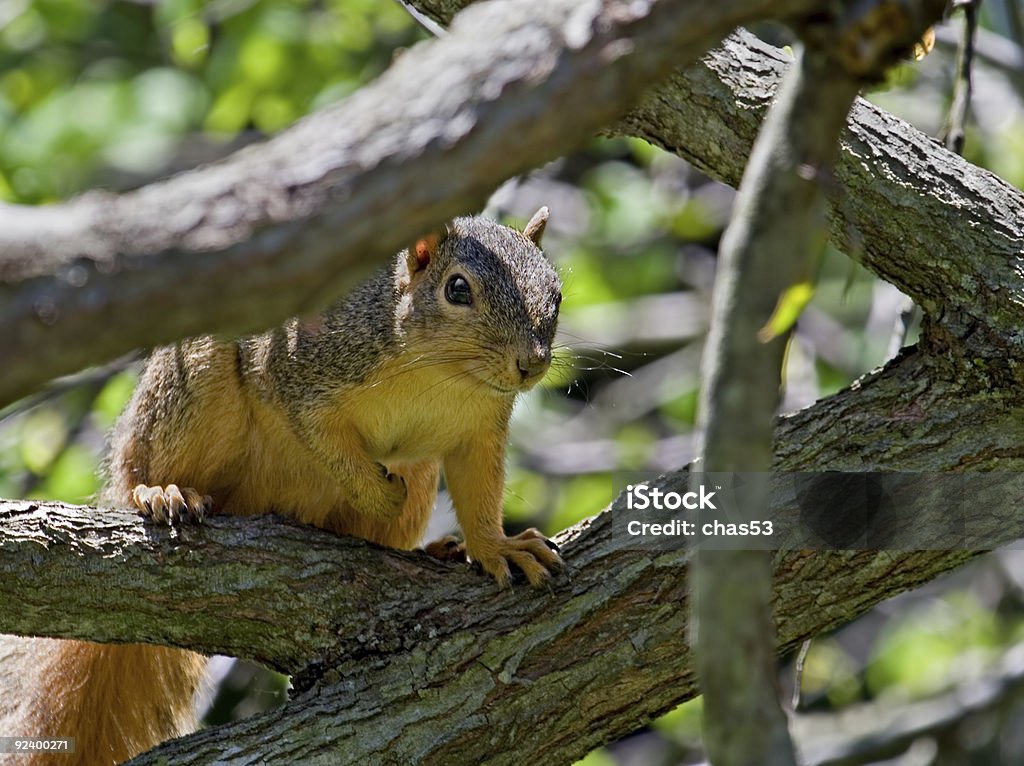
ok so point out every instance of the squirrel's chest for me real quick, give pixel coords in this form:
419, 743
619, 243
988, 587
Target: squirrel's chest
409, 441
413, 417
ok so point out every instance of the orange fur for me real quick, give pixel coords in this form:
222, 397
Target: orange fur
150, 687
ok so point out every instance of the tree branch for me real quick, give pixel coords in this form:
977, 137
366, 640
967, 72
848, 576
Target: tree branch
955, 129
992, 49
772, 244
381, 633
896, 190
282, 228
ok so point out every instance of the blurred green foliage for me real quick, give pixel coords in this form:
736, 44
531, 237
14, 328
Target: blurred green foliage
950, 640
102, 84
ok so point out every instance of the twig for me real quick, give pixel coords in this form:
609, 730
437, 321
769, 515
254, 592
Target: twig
956, 122
773, 240
798, 672
991, 49
61, 386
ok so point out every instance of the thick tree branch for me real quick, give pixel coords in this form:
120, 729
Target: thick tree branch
900, 199
280, 229
390, 631
400, 640
897, 188
945, 232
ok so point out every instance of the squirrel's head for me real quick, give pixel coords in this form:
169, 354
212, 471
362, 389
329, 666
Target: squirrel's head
481, 297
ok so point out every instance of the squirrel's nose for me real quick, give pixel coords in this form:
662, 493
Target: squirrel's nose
534, 363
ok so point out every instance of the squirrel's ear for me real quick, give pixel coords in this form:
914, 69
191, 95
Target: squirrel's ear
535, 228
423, 250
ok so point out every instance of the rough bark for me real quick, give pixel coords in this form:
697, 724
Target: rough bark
396, 644
280, 229
947, 233
392, 643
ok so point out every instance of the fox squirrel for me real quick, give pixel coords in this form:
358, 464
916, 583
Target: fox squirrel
343, 421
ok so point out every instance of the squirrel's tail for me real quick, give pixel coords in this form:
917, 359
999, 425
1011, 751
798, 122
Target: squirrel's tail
115, 700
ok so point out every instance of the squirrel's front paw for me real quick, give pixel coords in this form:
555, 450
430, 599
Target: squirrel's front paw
530, 551
171, 504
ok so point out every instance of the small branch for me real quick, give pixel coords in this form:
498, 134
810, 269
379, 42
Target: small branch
798, 674
772, 243
992, 49
57, 388
954, 132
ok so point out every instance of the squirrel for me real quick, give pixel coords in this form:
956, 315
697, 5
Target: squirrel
343, 421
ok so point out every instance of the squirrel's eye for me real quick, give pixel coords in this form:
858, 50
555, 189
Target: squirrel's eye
457, 291
558, 301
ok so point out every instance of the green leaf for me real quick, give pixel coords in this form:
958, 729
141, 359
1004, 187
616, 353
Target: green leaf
791, 304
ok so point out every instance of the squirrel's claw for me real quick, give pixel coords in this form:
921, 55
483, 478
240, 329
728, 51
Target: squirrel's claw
530, 551
171, 504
